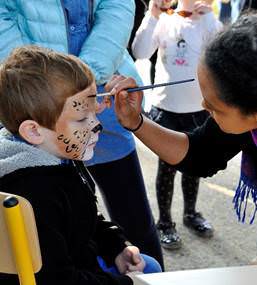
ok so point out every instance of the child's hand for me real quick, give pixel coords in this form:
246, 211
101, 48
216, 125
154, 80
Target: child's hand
154, 8
166, 4
129, 260
201, 8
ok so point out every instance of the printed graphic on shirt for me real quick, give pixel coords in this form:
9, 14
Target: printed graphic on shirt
180, 58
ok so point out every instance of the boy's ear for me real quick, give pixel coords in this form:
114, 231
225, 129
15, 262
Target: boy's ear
31, 132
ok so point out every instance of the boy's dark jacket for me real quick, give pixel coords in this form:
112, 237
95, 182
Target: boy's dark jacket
71, 232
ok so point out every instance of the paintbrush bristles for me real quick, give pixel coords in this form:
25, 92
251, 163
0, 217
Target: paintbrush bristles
103, 94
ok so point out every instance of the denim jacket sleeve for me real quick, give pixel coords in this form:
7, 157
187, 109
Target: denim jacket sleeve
105, 46
10, 35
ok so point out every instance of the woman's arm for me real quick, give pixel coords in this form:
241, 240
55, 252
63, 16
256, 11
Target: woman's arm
106, 44
169, 145
200, 153
10, 35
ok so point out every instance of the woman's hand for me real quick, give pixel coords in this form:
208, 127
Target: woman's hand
127, 105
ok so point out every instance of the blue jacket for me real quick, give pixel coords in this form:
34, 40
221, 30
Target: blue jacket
27, 22
44, 23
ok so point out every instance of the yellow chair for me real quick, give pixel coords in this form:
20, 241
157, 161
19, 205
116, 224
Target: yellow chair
19, 245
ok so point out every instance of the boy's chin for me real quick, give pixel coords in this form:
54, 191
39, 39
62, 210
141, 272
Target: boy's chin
88, 155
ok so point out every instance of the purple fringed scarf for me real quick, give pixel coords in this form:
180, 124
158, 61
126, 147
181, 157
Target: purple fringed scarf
247, 186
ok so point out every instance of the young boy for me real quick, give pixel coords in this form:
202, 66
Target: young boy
48, 110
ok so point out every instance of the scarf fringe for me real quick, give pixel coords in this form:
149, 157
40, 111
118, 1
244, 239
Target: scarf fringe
240, 200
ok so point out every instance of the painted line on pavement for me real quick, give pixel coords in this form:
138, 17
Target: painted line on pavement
223, 190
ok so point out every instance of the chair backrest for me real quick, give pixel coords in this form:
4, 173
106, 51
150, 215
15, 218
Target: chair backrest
7, 256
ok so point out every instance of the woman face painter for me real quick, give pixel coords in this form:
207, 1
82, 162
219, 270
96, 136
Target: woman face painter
227, 77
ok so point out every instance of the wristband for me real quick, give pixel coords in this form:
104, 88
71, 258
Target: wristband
139, 125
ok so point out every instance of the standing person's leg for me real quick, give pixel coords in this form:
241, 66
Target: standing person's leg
165, 184
190, 184
122, 185
193, 219
164, 191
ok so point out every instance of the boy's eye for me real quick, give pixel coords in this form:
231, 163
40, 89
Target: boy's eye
82, 120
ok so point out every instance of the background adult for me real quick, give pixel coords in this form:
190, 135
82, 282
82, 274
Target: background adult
97, 32
141, 8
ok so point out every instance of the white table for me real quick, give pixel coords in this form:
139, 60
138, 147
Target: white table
243, 275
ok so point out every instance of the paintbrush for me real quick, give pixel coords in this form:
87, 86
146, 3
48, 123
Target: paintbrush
140, 88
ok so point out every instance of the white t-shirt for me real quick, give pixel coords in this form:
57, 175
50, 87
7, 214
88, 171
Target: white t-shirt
179, 41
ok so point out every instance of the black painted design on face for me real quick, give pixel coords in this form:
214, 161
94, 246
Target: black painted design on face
80, 135
83, 153
80, 105
66, 140
76, 144
73, 147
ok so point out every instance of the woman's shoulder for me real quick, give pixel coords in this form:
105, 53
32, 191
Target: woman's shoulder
211, 131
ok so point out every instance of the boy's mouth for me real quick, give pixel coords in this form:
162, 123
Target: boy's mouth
92, 144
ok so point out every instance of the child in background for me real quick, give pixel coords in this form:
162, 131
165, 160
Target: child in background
179, 35
48, 110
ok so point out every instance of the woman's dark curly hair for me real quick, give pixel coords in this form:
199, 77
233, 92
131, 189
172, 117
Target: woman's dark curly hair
231, 59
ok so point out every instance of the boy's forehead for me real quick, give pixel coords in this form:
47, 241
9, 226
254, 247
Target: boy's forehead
82, 99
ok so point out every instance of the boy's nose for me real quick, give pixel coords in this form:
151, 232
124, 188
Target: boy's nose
97, 128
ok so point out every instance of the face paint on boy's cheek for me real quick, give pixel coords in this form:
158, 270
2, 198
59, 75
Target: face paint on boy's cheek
91, 139
81, 136
73, 148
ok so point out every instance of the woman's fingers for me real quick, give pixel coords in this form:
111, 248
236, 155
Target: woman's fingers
113, 81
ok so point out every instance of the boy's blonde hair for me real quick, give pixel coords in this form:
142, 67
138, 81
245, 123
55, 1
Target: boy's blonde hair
35, 83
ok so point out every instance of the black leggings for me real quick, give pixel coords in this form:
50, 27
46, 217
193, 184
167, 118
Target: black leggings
122, 186
165, 187
166, 172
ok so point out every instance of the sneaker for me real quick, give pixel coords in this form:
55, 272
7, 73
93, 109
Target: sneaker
198, 224
168, 236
